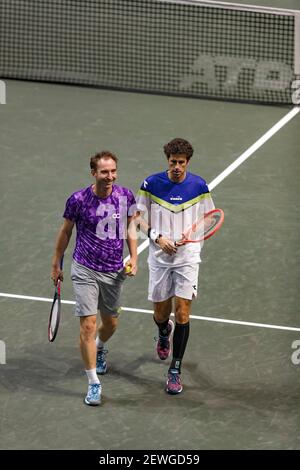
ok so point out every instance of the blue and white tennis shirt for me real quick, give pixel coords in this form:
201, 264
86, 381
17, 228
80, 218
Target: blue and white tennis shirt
170, 208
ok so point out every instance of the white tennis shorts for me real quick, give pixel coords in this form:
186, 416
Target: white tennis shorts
179, 281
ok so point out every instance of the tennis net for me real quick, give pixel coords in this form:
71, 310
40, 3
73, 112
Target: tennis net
184, 47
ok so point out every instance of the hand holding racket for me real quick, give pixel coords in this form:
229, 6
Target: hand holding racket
202, 229
55, 309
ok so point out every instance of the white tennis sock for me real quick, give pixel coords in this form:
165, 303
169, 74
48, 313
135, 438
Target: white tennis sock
92, 376
99, 343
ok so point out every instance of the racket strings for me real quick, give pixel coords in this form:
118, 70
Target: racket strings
211, 222
54, 315
205, 226
54, 319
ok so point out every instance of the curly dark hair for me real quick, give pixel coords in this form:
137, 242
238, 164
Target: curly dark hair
106, 154
177, 146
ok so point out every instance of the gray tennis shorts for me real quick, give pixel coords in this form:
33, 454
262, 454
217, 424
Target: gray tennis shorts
96, 290
167, 282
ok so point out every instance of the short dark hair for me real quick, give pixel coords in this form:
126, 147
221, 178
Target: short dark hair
105, 154
177, 146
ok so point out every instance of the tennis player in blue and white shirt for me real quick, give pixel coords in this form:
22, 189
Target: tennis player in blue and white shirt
170, 202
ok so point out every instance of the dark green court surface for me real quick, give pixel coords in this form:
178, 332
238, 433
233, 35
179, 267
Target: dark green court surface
241, 383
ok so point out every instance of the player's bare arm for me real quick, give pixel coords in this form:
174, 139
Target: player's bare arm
131, 265
62, 242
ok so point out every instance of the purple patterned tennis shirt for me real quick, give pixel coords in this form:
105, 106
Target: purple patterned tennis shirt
101, 227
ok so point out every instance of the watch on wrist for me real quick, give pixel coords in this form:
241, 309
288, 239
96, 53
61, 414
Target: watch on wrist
154, 235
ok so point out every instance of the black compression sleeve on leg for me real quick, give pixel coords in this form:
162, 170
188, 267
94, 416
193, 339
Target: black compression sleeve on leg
180, 339
162, 327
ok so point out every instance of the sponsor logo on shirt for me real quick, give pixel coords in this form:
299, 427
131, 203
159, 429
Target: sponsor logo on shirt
175, 198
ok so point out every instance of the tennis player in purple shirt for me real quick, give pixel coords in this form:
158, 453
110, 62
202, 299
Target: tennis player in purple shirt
102, 213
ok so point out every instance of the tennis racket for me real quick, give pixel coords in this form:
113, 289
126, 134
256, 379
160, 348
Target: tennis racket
55, 310
206, 226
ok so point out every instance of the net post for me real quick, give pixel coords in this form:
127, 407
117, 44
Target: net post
297, 44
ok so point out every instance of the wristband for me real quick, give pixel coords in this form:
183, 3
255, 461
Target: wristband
153, 234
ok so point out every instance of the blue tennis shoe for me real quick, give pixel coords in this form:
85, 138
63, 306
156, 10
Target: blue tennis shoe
93, 397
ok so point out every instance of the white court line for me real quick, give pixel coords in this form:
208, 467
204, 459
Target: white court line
259, 143
243, 157
223, 320
141, 310
29, 297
